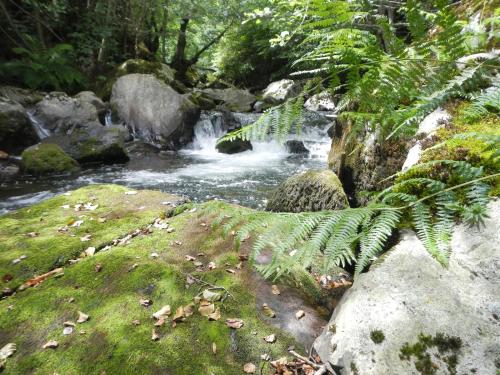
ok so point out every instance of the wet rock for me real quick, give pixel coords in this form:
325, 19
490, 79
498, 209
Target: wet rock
320, 102
154, 111
47, 158
24, 97
233, 99
233, 147
296, 147
309, 191
16, 131
8, 170
408, 294
260, 106
93, 143
279, 91
60, 113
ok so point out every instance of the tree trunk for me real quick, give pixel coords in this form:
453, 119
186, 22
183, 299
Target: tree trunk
179, 61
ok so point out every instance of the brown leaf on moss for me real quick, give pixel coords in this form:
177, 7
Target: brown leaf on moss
214, 348
40, 279
211, 296
154, 335
164, 311
160, 321
211, 266
249, 368
180, 315
86, 238
215, 315
98, 267
189, 310
268, 311
206, 308
229, 270
32, 234
52, 344
234, 323
82, 318
270, 338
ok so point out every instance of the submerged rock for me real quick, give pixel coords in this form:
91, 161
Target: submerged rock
154, 111
296, 147
16, 132
47, 158
407, 294
233, 147
309, 191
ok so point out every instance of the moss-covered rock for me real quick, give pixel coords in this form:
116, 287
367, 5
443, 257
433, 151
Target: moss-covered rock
117, 339
309, 191
47, 158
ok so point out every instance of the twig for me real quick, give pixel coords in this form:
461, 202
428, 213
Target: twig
306, 360
211, 286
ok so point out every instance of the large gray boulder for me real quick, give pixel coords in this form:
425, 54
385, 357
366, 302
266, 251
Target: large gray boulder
93, 143
279, 91
16, 131
309, 191
154, 111
59, 113
233, 99
408, 294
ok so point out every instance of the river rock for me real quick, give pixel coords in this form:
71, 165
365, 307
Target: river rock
16, 131
59, 113
233, 147
279, 91
94, 142
296, 147
46, 158
233, 99
407, 293
320, 102
9, 169
25, 97
309, 191
154, 111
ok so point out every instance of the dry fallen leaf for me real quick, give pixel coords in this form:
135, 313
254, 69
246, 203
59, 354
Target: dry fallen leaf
69, 324
86, 238
206, 308
300, 314
32, 234
270, 339
101, 220
249, 368
243, 257
275, 290
52, 344
265, 357
160, 321
189, 310
214, 348
180, 315
136, 322
268, 311
145, 302
229, 270
82, 318
197, 263
68, 330
239, 265
154, 336
76, 224
190, 258
40, 279
234, 323
215, 315
8, 350
164, 311
211, 296
90, 252
211, 266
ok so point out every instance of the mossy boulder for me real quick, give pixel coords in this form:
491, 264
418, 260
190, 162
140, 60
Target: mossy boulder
109, 285
234, 146
310, 191
47, 158
94, 143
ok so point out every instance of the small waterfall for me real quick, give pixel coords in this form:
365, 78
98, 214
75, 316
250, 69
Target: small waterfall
108, 118
38, 125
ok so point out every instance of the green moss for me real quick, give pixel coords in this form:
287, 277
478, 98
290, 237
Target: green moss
111, 343
377, 336
47, 158
426, 362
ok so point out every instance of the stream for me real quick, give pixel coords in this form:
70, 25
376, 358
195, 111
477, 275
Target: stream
198, 171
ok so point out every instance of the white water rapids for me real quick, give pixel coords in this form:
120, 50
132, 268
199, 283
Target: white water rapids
197, 171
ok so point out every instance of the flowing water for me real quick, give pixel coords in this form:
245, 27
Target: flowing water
198, 172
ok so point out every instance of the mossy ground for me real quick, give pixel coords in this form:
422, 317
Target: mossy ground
111, 343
